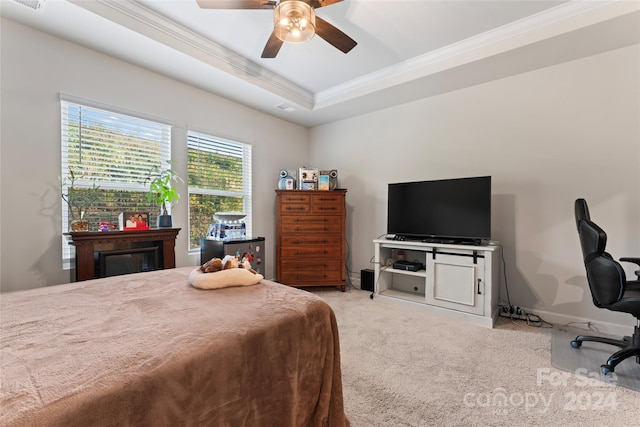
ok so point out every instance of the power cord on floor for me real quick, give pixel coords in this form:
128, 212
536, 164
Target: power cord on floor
517, 314
589, 326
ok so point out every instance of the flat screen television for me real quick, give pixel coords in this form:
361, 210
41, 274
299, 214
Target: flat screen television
448, 210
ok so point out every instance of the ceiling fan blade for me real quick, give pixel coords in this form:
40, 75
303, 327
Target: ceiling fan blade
321, 3
334, 36
236, 4
272, 47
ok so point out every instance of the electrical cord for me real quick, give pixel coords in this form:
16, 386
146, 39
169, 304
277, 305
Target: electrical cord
375, 284
590, 325
347, 258
529, 318
351, 272
504, 274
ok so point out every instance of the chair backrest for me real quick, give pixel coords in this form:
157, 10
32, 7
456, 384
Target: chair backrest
581, 210
606, 277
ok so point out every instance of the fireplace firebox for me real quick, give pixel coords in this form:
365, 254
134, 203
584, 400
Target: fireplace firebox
127, 261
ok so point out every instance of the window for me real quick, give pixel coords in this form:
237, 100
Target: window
219, 181
114, 152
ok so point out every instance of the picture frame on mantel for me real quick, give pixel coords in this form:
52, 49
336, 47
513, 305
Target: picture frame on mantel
129, 220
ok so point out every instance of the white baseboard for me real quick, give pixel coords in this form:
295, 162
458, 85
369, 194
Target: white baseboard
581, 322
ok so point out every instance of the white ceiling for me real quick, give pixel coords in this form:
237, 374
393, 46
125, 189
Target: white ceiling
407, 49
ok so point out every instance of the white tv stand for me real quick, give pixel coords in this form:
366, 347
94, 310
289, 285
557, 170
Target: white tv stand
460, 280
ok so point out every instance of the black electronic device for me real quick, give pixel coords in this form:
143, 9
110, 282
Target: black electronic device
366, 279
408, 265
448, 210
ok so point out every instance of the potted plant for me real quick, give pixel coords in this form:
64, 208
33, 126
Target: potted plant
162, 191
78, 199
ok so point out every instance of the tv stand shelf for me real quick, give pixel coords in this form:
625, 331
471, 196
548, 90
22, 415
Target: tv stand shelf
459, 279
421, 273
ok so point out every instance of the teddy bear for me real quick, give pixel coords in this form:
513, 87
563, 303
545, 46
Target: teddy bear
226, 263
229, 272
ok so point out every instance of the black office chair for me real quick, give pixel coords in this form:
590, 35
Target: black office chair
609, 287
582, 212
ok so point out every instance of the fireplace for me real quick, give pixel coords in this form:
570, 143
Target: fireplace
127, 261
111, 253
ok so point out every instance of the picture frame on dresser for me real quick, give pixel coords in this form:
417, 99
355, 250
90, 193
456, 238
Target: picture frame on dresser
308, 186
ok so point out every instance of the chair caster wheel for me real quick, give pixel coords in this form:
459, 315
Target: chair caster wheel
606, 369
576, 344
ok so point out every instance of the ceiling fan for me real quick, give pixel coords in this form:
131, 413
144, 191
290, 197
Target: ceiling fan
294, 22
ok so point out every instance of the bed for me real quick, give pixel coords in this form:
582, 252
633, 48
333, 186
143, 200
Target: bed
148, 349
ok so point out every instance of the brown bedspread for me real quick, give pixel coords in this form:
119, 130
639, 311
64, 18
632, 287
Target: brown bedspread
150, 350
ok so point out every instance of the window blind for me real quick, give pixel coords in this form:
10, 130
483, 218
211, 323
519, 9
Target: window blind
219, 181
114, 152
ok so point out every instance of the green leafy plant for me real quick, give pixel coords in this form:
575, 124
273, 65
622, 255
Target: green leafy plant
161, 188
79, 199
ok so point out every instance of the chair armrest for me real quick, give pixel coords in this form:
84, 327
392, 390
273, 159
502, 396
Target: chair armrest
632, 260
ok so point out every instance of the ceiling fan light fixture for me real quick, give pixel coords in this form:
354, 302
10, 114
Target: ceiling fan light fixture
294, 21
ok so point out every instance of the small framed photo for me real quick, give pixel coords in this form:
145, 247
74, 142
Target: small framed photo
308, 186
323, 182
290, 184
134, 221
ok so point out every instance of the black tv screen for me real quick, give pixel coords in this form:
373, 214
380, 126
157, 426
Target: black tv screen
449, 209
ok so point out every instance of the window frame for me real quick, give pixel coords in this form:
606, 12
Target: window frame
246, 194
164, 140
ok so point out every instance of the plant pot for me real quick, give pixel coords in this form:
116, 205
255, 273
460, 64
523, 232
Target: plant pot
80, 225
164, 221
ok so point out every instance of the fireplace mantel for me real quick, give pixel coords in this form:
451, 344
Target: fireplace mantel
89, 243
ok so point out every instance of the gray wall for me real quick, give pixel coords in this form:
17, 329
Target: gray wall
546, 137
36, 68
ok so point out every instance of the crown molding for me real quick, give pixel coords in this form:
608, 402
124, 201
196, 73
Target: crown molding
544, 25
143, 20
550, 23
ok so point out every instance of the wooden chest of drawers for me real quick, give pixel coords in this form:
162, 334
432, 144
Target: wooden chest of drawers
310, 233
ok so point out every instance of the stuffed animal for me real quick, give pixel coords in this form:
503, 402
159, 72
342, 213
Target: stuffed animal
226, 272
211, 266
226, 263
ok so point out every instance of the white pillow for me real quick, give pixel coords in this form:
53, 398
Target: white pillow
223, 279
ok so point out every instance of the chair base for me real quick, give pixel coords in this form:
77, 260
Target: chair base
630, 346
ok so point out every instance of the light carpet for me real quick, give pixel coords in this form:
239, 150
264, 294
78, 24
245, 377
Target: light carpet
405, 366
